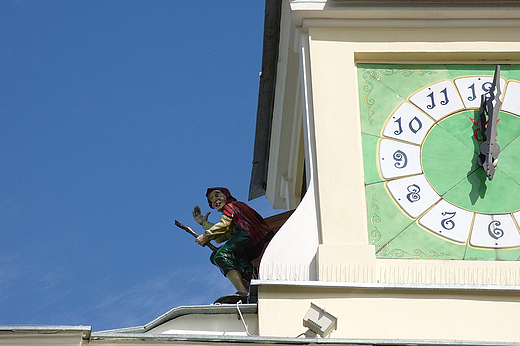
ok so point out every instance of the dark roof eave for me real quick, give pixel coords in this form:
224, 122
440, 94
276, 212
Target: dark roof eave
264, 115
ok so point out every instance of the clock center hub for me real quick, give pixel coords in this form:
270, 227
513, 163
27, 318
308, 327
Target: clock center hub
449, 158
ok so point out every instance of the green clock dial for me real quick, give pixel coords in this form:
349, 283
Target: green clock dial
427, 194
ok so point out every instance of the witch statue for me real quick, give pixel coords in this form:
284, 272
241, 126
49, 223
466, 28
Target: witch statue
242, 229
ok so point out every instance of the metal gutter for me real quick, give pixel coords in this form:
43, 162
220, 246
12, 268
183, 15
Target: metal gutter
255, 340
14, 330
116, 337
273, 12
182, 311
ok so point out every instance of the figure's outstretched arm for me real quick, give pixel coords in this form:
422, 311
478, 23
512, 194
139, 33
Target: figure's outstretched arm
212, 231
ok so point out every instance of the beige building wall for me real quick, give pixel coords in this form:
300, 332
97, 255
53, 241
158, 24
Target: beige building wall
335, 53
379, 313
426, 302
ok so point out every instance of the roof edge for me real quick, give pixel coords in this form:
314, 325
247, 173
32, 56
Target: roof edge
273, 12
185, 310
256, 340
83, 331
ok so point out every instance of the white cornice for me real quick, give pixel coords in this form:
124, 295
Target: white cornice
404, 10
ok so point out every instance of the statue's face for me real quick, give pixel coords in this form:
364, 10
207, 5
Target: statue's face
217, 200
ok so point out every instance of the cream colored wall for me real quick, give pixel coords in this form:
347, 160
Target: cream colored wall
336, 46
344, 254
395, 314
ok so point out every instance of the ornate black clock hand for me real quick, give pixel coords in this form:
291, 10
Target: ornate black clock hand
489, 108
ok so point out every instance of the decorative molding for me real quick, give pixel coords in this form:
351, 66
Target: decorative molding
454, 273
285, 272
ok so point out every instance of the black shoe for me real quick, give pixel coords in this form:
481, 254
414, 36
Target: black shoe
232, 299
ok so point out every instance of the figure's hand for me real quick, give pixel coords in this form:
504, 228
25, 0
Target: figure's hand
197, 215
202, 239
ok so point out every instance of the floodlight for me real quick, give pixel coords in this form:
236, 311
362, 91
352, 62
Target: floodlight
319, 321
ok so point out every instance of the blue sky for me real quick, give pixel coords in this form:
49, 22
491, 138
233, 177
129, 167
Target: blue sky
115, 116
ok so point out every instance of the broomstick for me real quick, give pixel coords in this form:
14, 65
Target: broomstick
192, 232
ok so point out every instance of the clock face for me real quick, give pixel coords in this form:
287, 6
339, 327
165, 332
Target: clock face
427, 195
